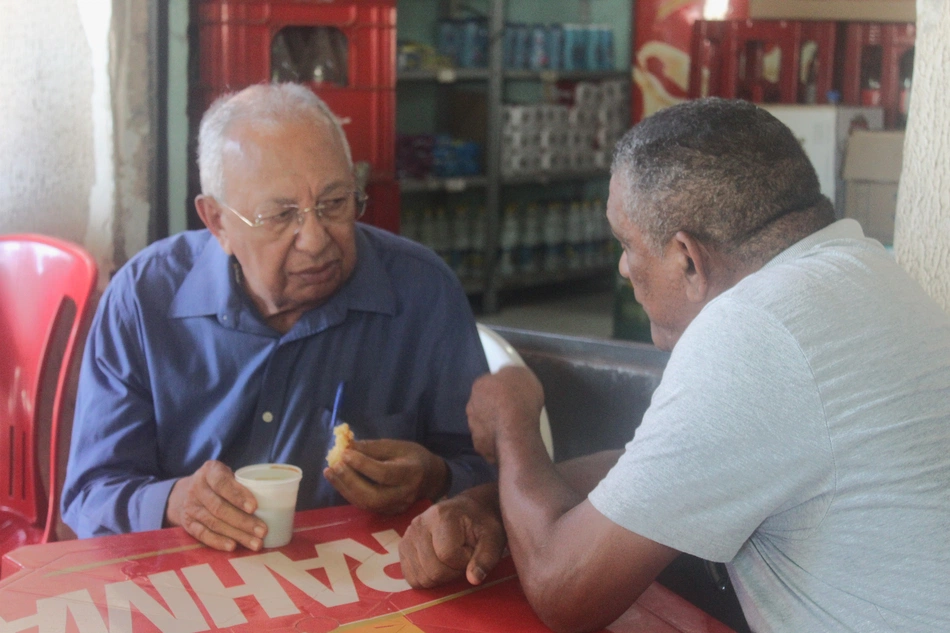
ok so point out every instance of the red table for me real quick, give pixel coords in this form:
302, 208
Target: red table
339, 573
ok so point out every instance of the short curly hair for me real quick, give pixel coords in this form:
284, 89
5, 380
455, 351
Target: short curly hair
266, 104
725, 171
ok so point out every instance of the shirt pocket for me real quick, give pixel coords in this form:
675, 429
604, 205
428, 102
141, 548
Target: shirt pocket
396, 426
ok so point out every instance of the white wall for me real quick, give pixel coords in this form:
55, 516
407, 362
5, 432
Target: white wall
922, 232
75, 131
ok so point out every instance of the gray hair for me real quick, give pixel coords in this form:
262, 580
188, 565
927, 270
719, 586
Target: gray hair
261, 103
727, 172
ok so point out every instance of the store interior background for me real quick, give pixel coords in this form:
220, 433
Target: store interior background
82, 154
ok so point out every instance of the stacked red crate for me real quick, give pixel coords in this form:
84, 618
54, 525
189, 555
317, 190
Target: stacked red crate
878, 67
236, 41
764, 61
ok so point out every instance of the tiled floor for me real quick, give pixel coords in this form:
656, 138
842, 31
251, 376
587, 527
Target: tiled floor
578, 311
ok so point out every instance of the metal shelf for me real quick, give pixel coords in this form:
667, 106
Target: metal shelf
453, 75
488, 282
444, 75
543, 178
449, 185
553, 76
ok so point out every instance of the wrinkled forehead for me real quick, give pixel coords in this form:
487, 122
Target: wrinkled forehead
285, 147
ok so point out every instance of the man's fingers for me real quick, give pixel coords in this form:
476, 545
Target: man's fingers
224, 517
449, 545
378, 449
210, 538
363, 493
215, 515
221, 480
488, 549
387, 473
420, 564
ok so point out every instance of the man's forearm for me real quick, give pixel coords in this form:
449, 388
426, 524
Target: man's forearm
538, 503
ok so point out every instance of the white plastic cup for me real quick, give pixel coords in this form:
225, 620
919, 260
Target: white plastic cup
275, 488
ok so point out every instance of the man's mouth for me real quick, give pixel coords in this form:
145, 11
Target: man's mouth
318, 274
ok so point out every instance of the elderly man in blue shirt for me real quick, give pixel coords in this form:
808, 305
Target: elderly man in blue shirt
215, 349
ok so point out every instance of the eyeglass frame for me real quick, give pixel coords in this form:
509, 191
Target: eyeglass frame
360, 200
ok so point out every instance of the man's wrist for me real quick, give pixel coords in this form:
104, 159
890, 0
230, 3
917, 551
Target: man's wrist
440, 480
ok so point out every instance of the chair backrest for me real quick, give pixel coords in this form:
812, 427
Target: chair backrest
45, 290
499, 354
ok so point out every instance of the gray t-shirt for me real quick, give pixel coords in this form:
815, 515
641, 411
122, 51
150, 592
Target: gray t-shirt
801, 433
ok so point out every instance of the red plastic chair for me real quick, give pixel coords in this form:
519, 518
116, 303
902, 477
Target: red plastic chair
45, 290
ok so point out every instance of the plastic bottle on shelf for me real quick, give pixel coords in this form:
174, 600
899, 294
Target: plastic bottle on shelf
528, 258
476, 257
586, 235
509, 242
602, 232
553, 236
409, 223
575, 236
426, 231
461, 241
442, 235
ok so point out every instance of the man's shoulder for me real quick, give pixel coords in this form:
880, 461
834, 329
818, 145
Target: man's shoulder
401, 256
161, 267
168, 256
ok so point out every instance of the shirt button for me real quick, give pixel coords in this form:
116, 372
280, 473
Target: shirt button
268, 416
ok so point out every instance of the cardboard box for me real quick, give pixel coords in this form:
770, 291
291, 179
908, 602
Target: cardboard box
854, 10
872, 171
823, 131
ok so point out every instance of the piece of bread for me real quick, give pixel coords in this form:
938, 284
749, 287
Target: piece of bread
343, 436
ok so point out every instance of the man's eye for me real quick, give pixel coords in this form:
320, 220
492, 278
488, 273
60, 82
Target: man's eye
331, 205
284, 215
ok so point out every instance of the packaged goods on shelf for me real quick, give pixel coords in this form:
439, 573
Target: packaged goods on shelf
553, 236
572, 47
423, 155
414, 155
461, 242
415, 56
541, 237
456, 234
464, 42
576, 135
531, 247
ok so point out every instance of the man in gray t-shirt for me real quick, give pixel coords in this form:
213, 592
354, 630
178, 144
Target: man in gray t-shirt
800, 434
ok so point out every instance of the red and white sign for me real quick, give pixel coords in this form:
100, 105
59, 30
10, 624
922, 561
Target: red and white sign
339, 573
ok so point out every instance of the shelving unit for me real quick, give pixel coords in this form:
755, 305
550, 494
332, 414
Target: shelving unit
494, 187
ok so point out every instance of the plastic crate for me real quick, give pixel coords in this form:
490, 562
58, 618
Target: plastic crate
873, 72
235, 40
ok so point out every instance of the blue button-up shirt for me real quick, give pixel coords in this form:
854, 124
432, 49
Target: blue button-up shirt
180, 368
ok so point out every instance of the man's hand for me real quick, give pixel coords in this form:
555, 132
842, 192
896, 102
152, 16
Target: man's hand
508, 402
215, 509
388, 476
457, 536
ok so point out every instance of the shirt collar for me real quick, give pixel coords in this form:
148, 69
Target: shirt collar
846, 229
211, 287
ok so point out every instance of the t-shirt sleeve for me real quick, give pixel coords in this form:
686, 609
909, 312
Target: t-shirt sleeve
735, 433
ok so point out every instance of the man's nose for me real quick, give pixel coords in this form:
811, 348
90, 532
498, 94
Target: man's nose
310, 233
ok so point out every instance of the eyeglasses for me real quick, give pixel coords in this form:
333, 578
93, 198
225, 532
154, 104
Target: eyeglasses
346, 207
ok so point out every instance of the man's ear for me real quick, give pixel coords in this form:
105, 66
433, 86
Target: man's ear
210, 213
695, 262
